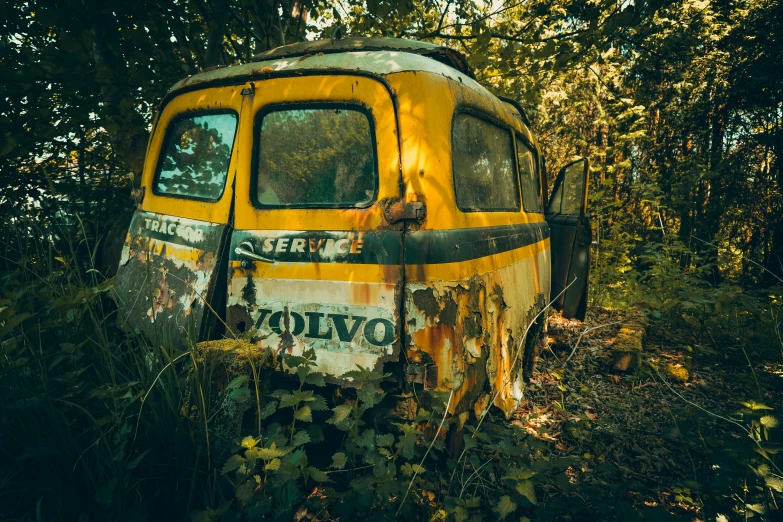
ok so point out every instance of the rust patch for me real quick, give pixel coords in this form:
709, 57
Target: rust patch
448, 314
425, 301
472, 325
470, 330
286, 337
238, 318
396, 210
249, 291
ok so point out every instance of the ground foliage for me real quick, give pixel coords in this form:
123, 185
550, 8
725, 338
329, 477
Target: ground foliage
128, 431
678, 107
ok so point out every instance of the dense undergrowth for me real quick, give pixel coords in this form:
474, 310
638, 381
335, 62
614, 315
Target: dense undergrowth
98, 425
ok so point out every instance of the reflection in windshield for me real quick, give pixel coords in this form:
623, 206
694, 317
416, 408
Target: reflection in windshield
483, 157
196, 156
317, 157
568, 196
528, 174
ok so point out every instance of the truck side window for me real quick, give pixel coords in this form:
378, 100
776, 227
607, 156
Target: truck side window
315, 157
529, 179
483, 160
567, 198
195, 156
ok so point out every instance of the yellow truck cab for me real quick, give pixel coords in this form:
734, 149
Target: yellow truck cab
364, 198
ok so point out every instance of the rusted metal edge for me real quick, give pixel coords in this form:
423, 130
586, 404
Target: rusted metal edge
444, 55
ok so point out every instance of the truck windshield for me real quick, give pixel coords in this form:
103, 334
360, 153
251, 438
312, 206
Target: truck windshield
195, 156
315, 157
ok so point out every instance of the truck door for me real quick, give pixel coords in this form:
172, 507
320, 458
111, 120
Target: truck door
570, 238
169, 263
314, 263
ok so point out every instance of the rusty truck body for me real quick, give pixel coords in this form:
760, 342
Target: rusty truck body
365, 198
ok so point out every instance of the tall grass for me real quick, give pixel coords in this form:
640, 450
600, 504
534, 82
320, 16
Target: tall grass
75, 441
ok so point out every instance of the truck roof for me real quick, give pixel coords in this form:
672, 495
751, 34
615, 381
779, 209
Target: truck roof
379, 56
438, 53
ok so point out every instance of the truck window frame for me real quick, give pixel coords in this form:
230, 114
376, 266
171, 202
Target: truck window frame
165, 143
537, 166
314, 105
501, 125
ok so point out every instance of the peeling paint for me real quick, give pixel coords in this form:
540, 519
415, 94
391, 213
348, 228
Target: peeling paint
471, 329
347, 322
166, 275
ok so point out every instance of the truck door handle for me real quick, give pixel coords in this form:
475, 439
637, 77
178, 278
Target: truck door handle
245, 249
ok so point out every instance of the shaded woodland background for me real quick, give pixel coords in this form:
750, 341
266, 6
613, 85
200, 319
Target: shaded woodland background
678, 106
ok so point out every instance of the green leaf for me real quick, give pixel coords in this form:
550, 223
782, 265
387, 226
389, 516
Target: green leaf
517, 474
316, 474
269, 409
318, 404
407, 442
302, 372
236, 382
135, 462
201, 516
249, 442
422, 415
339, 460
370, 397
751, 405
527, 490
245, 492
366, 439
384, 440
316, 379
233, 463
288, 401
304, 414
269, 453
774, 483
340, 414
239, 395
7, 146
294, 361
504, 507
304, 395
273, 465
300, 437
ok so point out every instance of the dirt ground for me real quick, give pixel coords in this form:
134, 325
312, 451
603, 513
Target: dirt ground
646, 437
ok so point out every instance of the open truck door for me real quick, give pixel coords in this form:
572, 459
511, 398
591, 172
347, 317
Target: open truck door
570, 238
170, 261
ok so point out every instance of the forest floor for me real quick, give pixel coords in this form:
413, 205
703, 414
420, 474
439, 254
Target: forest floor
646, 436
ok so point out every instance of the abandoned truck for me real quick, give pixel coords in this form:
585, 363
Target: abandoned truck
364, 198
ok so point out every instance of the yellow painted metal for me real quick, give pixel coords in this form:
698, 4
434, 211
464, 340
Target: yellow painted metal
332, 88
503, 290
427, 103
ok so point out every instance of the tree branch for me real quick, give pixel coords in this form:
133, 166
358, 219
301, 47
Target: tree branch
242, 22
